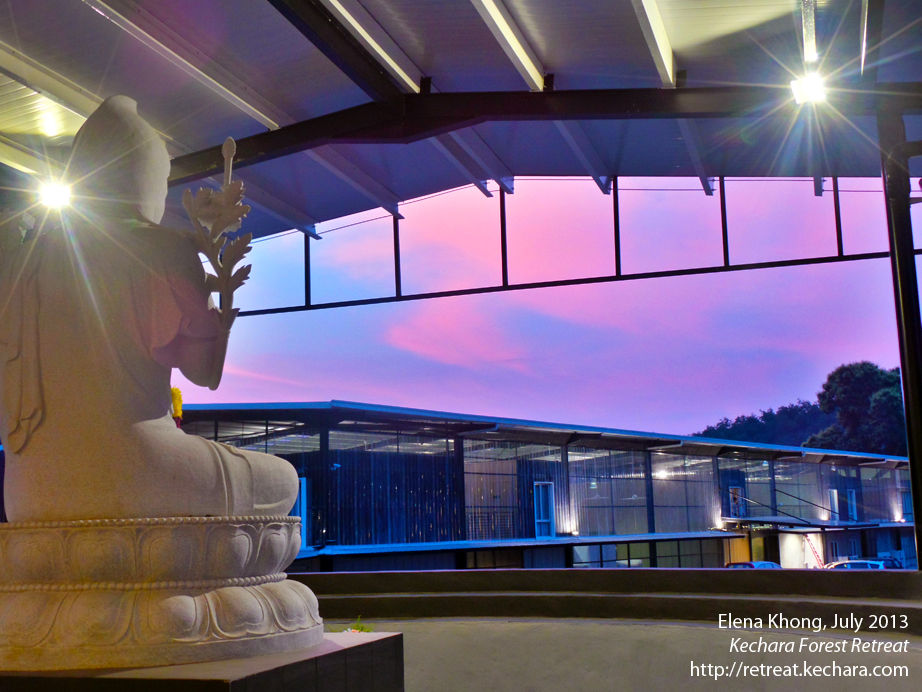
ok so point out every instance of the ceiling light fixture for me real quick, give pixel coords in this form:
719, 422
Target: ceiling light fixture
54, 195
809, 89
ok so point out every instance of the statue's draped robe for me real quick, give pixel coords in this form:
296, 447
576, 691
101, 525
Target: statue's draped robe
94, 317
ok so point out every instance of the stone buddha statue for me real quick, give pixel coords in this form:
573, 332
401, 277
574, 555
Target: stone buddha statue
95, 312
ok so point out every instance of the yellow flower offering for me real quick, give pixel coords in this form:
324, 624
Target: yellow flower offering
177, 402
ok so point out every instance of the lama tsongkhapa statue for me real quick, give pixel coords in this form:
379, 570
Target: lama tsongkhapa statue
176, 543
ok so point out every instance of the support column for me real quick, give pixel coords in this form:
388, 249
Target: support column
459, 501
651, 514
307, 269
398, 289
502, 236
326, 479
838, 211
715, 467
565, 463
725, 235
892, 134
616, 209
771, 487
648, 480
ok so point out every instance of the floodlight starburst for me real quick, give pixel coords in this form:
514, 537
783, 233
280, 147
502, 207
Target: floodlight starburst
54, 195
809, 89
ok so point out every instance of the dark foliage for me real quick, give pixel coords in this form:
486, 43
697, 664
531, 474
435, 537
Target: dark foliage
789, 425
859, 409
868, 405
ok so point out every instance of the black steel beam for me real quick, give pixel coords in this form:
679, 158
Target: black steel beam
428, 115
309, 134
694, 271
895, 164
621, 104
332, 39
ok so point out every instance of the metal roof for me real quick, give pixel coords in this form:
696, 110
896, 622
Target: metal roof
324, 95
240, 422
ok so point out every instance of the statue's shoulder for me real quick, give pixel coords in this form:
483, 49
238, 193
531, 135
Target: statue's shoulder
162, 240
167, 250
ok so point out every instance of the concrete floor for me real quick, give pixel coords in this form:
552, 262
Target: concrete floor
538, 655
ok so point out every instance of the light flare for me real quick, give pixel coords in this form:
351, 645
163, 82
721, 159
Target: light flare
55, 195
809, 89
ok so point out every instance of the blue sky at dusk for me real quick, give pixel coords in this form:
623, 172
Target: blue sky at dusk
666, 354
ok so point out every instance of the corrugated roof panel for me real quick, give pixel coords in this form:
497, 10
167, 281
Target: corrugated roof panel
23, 113
250, 39
449, 42
592, 44
901, 54
79, 43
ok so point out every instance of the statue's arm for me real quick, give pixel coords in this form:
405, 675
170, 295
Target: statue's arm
191, 335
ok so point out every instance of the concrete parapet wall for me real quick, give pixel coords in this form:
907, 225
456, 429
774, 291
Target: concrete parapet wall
655, 594
889, 584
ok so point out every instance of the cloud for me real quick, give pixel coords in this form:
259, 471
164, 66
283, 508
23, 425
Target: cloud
458, 332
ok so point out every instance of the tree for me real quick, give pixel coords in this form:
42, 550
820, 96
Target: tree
868, 405
789, 425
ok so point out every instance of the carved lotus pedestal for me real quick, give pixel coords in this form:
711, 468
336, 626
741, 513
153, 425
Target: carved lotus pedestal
143, 592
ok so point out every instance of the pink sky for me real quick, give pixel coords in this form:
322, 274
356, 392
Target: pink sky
666, 355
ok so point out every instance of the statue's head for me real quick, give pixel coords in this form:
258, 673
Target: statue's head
119, 162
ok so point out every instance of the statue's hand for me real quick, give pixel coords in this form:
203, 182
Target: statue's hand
222, 210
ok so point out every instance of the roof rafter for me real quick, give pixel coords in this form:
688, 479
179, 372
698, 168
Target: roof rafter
462, 161
28, 161
30, 73
320, 27
589, 158
145, 27
381, 48
363, 27
353, 175
654, 32
692, 139
513, 42
485, 157
872, 20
